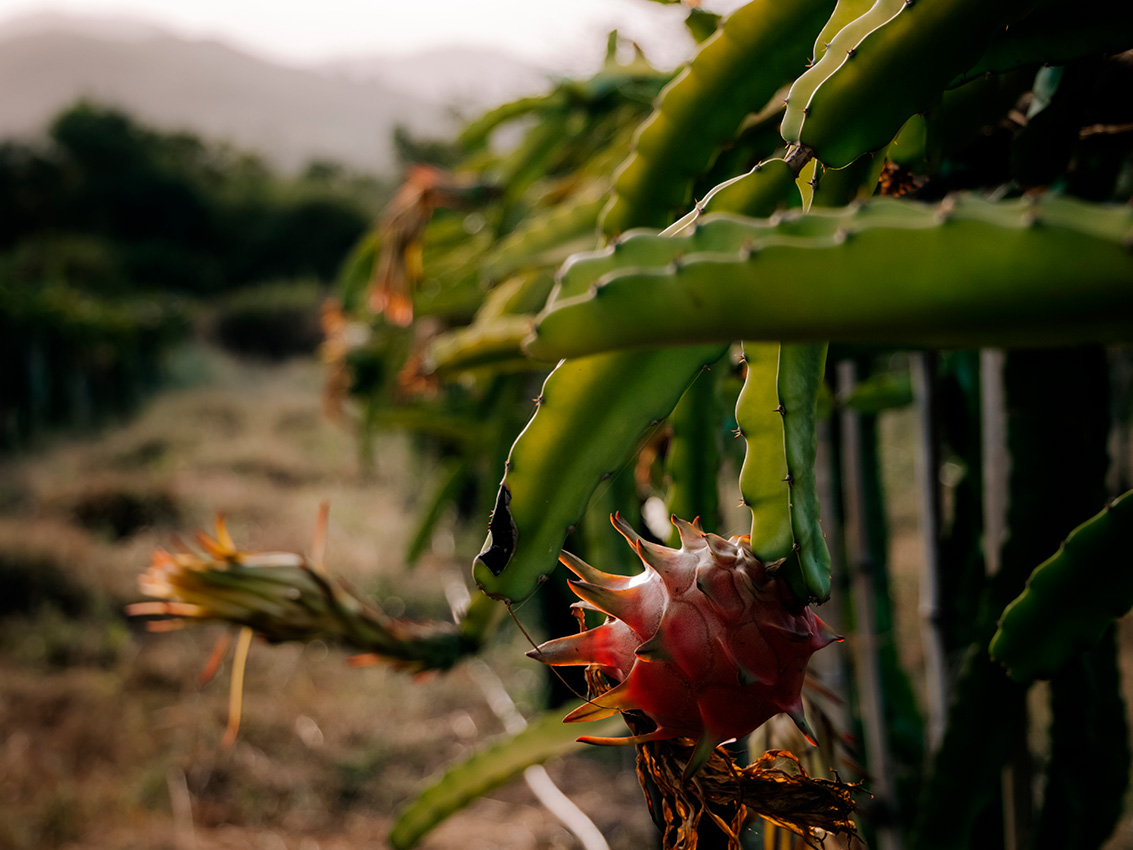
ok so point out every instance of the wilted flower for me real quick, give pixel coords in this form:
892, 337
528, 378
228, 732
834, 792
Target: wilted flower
283, 596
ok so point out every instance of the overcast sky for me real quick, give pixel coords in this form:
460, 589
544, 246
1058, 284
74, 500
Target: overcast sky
565, 34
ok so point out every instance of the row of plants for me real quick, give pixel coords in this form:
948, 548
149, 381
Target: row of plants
75, 361
112, 235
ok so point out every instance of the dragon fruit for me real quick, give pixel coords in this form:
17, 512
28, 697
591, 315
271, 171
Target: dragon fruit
707, 642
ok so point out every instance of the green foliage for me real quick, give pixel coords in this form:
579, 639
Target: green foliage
171, 212
105, 221
693, 461
75, 360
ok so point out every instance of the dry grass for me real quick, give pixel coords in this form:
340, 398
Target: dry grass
104, 728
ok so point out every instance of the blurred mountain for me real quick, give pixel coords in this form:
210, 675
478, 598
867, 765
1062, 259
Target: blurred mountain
467, 80
344, 111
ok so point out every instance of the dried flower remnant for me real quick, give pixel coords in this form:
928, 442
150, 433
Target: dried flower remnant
401, 232
284, 596
341, 337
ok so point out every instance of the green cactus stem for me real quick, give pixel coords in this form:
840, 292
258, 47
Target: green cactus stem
757, 193
496, 343
760, 47
883, 68
590, 416
964, 273
1055, 619
843, 43
545, 738
845, 13
776, 415
693, 460
546, 239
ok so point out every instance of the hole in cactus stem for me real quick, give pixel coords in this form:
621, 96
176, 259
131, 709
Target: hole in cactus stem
501, 532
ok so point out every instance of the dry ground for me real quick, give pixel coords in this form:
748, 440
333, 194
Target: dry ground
105, 732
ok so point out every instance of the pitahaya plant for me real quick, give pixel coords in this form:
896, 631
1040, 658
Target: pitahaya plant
707, 641
713, 638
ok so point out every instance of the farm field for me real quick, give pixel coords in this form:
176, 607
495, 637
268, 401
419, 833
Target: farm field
109, 740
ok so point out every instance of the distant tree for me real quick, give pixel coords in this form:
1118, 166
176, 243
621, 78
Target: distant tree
111, 204
31, 191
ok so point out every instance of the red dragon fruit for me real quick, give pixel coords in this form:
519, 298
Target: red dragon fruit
707, 642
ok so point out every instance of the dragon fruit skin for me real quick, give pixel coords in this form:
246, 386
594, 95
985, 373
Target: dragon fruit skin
707, 642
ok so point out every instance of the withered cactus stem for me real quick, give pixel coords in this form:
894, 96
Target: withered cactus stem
284, 596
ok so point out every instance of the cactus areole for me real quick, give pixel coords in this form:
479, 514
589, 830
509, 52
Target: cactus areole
707, 642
